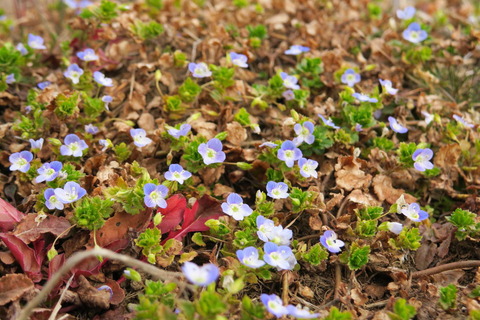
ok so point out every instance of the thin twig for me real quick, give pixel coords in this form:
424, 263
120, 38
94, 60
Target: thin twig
446, 267
96, 252
338, 280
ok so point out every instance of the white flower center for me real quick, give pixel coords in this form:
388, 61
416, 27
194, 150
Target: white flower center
154, 195
21, 162
211, 153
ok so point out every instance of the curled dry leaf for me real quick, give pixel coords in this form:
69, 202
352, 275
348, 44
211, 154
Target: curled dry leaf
349, 174
31, 229
382, 186
13, 287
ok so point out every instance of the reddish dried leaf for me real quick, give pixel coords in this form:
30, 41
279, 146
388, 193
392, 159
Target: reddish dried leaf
118, 293
29, 230
24, 255
9, 216
13, 286
173, 213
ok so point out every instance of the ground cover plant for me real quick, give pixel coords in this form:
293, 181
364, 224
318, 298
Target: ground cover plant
239, 159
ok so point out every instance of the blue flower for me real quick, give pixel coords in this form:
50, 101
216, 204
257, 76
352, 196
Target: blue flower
211, 151
20, 47
183, 131
36, 145
406, 13
48, 171
397, 127
20, 161
274, 305
307, 168
51, 200
422, 159
177, 173
74, 72
71, 192
358, 127
288, 95
249, 257
350, 77
277, 190
240, 60
330, 242
268, 144
304, 133
395, 227
279, 235
107, 100
155, 195
414, 213
10, 78
289, 153
462, 121
78, 4
105, 144
289, 82
106, 288
73, 146
42, 85
235, 207
280, 257
388, 86
364, 97
87, 55
139, 137
328, 122
428, 117
265, 227
102, 80
90, 128
36, 42
414, 33
296, 50
201, 276
301, 313
199, 70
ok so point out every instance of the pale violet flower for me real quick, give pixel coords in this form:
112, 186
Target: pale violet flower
73, 146
265, 227
21, 47
328, 122
280, 257
51, 200
107, 100
155, 195
199, 70
387, 84
358, 127
288, 95
428, 117
289, 153
90, 128
87, 55
102, 80
268, 144
279, 235
177, 173
36, 42
71, 192
330, 242
277, 190
201, 276
10, 78
249, 257
395, 227
307, 168
414, 213
462, 121
140, 138
105, 144
240, 60
301, 313
211, 151
414, 33
181, 132
20, 161
422, 159
304, 133
350, 77
274, 304
235, 207
74, 72
406, 13
42, 85
36, 145
78, 4
48, 171
363, 97
296, 50
289, 82
395, 126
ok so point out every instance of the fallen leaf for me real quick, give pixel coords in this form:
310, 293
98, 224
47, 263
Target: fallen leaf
9, 216
29, 230
13, 286
349, 174
25, 256
173, 213
382, 186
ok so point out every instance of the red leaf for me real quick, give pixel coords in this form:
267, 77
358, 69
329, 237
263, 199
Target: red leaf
194, 219
173, 213
24, 255
29, 230
9, 216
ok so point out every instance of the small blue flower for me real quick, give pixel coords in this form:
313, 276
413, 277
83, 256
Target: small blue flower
304, 133
20, 161
249, 257
387, 84
422, 159
36, 145
140, 138
201, 276
28, 109
414, 213
462, 121
363, 97
277, 190
307, 168
274, 305
71, 192
20, 47
395, 126
428, 117
301, 313
289, 153
78, 4
48, 171
240, 60
10, 78
106, 288
280, 257
265, 227
42, 85
107, 100
36, 42
51, 200
155, 195
199, 70
90, 128
328, 122
102, 80
288, 95
87, 55
414, 33
330, 242
280, 236
358, 127
235, 207
183, 131
350, 77
73, 146
395, 227
211, 151
289, 82
268, 144
74, 72
177, 173
406, 13
296, 50
105, 144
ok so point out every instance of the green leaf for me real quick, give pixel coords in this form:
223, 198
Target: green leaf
67, 106
407, 239
367, 228
91, 213
122, 151
315, 255
448, 297
259, 31
405, 153
370, 213
464, 221
358, 256
198, 240
336, 314
147, 31
189, 90
402, 310
210, 304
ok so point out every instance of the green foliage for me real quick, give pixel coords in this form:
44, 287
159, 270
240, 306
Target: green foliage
217, 228
383, 143
448, 297
245, 238
222, 76
198, 239
130, 198
66, 106
336, 314
322, 142
464, 220
161, 292
344, 137
474, 315
251, 310
147, 31
122, 152
92, 107
90, 213
258, 31
149, 241
407, 239
362, 114
154, 4
241, 3
431, 173
315, 255
173, 104
31, 128
210, 304
357, 256
367, 228
418, 54
405, 153
475, 293
179, 59
402, 311
370, 213
10, 60
189, 90
374, 11
194, 160
302, 200
105, 12
71, 173
157, 302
